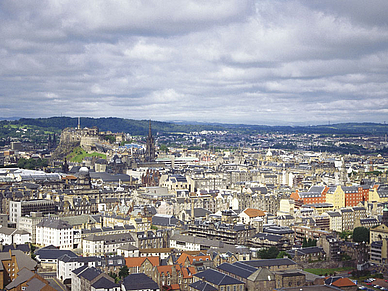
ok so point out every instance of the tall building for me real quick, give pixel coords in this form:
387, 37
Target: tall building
150, 146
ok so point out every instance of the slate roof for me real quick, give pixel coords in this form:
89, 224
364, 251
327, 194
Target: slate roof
269, 262
217, 278
236, 270
164, 220
305, 251
53, 254
23, 276
202, 286
89, 273
139, 281
54, 223
267, 236
36, 285
104, 283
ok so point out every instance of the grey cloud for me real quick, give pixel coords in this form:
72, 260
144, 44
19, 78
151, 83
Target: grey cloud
271, 62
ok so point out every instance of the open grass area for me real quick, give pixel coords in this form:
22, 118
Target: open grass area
328, 271
78, 154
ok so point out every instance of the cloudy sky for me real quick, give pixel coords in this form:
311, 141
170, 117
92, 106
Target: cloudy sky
233, 61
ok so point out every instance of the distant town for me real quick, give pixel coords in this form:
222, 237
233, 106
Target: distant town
213, 209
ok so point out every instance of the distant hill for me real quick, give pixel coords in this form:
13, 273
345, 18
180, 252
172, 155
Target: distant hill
140, 127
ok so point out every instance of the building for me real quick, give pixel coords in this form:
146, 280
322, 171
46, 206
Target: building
219, 280
11, 263
23, 208
100, 245
139, 282
56, 232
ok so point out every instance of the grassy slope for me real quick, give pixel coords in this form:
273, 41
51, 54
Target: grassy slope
78, 154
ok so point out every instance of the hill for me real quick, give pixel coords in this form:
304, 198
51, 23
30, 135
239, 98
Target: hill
140, 127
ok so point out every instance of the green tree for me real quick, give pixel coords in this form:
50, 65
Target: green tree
164, 148
283, 254
270, 253
346, 234
361, 234
124, 272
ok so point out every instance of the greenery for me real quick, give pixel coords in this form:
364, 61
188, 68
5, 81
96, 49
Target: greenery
309, 243
32, 164
345, 257
322, 272
361, 234
270, 253
346, 234
124, 272
78, 154
140, 127
110, 138
114, 276
283, 254
163, 148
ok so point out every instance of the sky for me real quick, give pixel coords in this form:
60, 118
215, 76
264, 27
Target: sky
270, 62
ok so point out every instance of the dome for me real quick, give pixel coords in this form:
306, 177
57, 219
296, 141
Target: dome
83, 170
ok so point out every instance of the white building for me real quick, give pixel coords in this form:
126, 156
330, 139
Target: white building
66, 265
56, 232
9, 236
99, 245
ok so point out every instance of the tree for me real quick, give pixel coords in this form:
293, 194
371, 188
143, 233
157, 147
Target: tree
124, 272
164, 148
346, 235
283, 254
309, 243
270, 253
361, 234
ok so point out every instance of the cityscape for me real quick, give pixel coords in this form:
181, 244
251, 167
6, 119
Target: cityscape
202, 210
197, 145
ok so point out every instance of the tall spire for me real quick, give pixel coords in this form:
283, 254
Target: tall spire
150, 146
149, 130
79, 123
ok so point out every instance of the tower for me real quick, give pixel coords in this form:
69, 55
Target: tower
79, 123
150, 146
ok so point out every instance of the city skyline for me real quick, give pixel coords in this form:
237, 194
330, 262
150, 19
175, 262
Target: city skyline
247, 62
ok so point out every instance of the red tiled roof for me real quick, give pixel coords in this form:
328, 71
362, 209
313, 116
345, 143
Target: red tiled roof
343, 282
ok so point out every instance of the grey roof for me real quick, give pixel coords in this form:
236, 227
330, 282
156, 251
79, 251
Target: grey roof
217, 278
267, 236
35, 285
333, 214
197, 240
139, 281
54, 223
268, 262
104, 283
128, 247
111, 238
23, 275
24, 260
53, 254
305, 251
89, 273
199, 212
202, 286
164, 220
235, 270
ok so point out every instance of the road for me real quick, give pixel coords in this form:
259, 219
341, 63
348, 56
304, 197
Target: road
56, 284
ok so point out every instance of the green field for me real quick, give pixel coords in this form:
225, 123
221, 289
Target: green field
328, 271
78, 154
